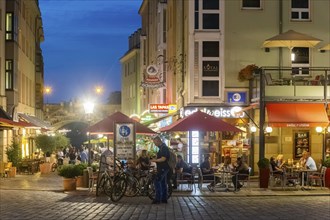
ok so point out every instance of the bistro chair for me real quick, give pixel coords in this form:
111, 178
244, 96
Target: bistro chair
318, 177
244, 179
203, 178
92, 179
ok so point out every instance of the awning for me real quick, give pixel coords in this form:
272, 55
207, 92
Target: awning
38, 123
297, 115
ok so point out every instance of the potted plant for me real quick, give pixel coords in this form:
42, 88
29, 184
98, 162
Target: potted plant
14, 155
69, 172
264, 172
326, 163
81, 167
247, 72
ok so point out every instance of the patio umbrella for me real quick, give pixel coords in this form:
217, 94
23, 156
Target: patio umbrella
291, 39
200, 121
106, 125
326, 47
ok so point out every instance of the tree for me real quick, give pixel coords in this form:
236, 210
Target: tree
51, 143
14, 153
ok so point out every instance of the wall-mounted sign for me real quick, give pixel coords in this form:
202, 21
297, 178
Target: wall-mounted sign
218, 112
210, 68
124, 141
162, 108
153, 77
237, 97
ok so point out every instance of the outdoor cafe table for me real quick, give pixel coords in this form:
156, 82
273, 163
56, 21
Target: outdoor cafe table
225, 178
302, 172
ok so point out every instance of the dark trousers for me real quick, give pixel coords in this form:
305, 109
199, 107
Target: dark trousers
160, 183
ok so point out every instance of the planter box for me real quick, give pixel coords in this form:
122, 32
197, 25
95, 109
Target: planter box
12, 172
327, 178
80, 182
69, 184
45, 168
264, 178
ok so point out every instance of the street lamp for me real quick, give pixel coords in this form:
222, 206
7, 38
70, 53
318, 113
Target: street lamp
47, 91
89, 108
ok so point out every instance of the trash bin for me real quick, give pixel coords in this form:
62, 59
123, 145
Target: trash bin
85, 179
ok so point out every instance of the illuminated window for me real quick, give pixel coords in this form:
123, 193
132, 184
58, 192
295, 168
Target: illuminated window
207, 14
300, 63
9, 26
9, 75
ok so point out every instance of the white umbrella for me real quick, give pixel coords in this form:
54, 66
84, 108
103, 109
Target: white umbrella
326, 47
291, 39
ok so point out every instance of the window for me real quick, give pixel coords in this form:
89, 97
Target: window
300, 60
9, 75
207, 14
211, 49
9, 26
210, 21
251, 4
210, 88
210, 76
300, 10
211, 4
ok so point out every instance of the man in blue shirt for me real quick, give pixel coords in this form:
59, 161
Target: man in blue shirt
160, 182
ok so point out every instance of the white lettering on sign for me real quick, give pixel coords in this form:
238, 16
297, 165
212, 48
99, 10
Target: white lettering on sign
218, 112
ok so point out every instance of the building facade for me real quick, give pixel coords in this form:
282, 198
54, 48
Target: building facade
197, 49
22, 74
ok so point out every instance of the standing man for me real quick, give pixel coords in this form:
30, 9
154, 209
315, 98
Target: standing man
160, 182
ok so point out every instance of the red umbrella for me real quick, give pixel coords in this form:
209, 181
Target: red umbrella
200, 121
106, 125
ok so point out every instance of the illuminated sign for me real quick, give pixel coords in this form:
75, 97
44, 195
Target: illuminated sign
162, 108
218, 112
236, 97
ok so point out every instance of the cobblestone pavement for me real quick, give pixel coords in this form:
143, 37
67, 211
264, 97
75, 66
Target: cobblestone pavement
41, 197
32, 204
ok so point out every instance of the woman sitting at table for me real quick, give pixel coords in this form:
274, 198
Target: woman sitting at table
275, 168
280, 161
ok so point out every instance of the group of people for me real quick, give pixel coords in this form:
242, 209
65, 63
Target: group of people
278, 164
73, 154
240, 167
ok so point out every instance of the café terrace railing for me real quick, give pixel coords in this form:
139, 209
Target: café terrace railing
292, 83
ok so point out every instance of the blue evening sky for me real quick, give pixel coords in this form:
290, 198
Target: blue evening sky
84, 40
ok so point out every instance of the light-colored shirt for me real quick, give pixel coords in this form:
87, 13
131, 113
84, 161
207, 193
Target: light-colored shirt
310, 164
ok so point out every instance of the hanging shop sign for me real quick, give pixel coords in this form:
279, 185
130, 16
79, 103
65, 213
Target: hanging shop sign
153, 77
235, 97
124, 141
218, 112
162, 108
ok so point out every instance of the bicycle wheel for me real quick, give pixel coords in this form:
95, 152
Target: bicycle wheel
118, 189
152, 191
99, 185
133, 186
107, 186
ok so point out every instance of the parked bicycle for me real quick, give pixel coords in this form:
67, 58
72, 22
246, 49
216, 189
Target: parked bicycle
142, 184
57, 164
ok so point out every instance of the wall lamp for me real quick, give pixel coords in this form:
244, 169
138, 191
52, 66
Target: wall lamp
268, 130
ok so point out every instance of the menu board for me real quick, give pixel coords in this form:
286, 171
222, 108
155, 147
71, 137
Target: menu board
301, 143
124, 141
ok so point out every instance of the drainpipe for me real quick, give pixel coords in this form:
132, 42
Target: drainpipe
262, 115
280, 30
182, 58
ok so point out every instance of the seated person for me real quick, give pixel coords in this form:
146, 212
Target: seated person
143, 162
240, 168
181, 168
280, 161
206, 170
275, 168
227, 164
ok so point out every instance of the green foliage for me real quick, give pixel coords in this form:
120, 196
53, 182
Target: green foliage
95, 166
14, 153
326, 162
263, 163
82, 167
51, 143
69, 171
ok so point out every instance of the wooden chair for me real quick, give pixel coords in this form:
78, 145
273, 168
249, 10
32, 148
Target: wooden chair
92, 179
318, 177
204, 178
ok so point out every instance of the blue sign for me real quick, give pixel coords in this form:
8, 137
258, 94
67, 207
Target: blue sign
236, 97
124, 131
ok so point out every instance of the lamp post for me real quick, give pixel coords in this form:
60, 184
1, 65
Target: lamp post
89, 108
47, 91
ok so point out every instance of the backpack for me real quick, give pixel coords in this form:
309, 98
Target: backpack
172, 160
